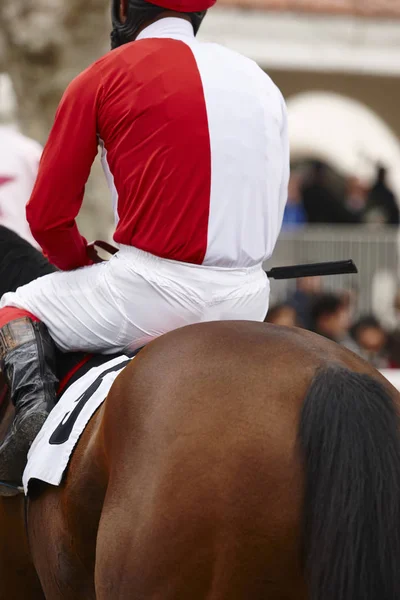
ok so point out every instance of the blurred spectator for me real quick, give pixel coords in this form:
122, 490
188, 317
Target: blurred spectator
19, 162
382, 206
303, 298
372, 341
295, 215
320, 202
394, 336
356, 198
331, 316
394, 350
282, 314
396, 303
349, 298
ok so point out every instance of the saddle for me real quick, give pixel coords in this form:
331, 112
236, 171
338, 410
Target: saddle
72, 366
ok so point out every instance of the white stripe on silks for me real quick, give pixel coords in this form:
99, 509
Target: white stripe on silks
244, 109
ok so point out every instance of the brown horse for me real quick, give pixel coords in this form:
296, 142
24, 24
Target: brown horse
230, 461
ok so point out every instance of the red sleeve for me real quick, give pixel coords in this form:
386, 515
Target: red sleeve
63, 172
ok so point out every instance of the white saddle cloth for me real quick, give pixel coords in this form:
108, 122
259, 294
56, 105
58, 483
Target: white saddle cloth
52, 449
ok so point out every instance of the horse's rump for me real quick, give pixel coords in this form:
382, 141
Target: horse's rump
209, 444
189, 481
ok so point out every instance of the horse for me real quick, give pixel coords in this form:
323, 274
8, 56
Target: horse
230, 460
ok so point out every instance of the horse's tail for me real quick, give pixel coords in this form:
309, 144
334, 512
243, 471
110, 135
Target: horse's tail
350, 437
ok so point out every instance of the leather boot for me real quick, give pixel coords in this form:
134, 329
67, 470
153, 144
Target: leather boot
27, 359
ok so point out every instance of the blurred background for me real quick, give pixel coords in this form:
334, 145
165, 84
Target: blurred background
337, 63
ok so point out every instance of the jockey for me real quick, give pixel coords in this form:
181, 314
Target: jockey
19, 163
195, 150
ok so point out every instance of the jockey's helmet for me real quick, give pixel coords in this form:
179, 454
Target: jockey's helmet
141, 12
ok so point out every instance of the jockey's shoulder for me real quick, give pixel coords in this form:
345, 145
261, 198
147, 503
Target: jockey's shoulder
103, 64
117, 56
124, 56
242, 63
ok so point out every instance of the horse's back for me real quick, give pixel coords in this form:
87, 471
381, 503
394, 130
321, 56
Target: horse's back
201, 433
188, 482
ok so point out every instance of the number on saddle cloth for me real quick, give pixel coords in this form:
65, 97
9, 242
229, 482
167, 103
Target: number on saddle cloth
64, 429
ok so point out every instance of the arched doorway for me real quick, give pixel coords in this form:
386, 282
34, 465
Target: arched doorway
353, 140
344, 133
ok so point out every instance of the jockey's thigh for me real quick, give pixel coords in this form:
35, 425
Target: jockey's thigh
76, 306
135, 297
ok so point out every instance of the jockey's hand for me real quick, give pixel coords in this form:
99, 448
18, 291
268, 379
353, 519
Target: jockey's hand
92, 253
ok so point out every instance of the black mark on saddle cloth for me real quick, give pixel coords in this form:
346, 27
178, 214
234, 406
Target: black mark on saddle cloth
64, 429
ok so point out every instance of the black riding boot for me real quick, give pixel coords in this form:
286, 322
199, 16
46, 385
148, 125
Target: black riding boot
27, 359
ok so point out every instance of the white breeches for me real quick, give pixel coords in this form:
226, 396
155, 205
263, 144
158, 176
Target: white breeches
135, 297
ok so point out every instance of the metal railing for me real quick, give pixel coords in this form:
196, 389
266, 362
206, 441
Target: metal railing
375, 252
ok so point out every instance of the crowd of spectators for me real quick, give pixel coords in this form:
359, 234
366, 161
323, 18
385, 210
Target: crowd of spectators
317, 195
332, 315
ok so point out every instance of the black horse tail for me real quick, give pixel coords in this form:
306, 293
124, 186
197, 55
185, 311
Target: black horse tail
350, 437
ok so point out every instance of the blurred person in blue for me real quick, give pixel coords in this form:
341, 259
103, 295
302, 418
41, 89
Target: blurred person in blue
303, 299
295, 216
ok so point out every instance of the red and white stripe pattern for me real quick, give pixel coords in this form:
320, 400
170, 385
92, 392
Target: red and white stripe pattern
195, 150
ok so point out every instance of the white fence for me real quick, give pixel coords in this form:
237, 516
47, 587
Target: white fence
375, 252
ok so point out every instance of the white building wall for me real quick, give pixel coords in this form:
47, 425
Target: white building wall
308, 42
